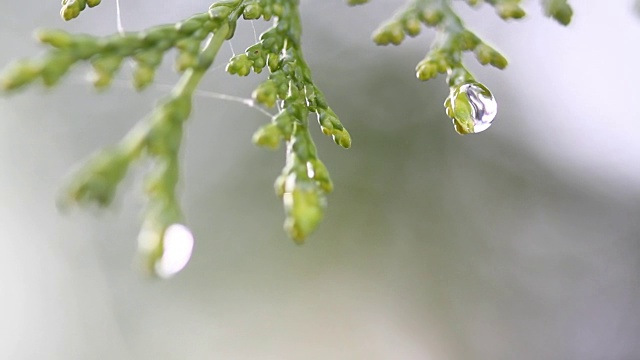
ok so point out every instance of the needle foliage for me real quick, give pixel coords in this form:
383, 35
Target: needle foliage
305, 181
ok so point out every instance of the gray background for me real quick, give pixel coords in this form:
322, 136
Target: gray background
519, 243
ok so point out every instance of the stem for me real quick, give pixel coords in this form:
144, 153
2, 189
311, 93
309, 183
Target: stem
189, 81
135, 141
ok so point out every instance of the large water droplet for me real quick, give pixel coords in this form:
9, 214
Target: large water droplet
472, 107
177, 246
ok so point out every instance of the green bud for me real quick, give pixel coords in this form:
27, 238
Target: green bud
412, 26
252, 11
488, 55
55, 67
271, 42
304, 208
431, 17
325, 120
93, 3
467, 40
426, 70
97, 180
258, 65
342, 138
390, 33
143, 76
317, 171
510, 10
356, 2
483, 53
273, 61
239, 65
284, 121
559, 10
266, 94
256, 54
268, 136
267, 13
255, 51
499, 61
57, 38
71, 9
277, 9
442, 63
19, 74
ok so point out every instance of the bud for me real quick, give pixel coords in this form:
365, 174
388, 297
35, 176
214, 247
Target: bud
266, 94
412, 26
317, 171
98, 178
240, 65
559, 10
304, 208
426, 70
432, 17
510, 10
390, 33
57, 38
19, 74
252, 11
143, 76
268, 136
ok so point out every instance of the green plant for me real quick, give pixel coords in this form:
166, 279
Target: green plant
305, 180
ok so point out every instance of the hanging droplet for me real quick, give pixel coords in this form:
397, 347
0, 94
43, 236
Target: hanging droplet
177, 246
472, 108
165, 251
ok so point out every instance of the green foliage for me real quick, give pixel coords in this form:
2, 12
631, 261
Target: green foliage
72, 8
305, 181
453, 39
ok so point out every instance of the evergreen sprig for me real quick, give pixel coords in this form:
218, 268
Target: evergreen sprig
304, 181
72, 8
452, 40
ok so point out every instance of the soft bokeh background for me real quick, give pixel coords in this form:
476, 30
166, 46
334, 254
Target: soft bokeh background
519, 243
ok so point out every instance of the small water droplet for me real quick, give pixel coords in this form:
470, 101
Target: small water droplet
472, 107
177, 246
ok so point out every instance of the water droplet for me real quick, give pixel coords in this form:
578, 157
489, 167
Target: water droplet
177, 246
472, 108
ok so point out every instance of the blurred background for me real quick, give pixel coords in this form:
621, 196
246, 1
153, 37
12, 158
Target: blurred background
522, 242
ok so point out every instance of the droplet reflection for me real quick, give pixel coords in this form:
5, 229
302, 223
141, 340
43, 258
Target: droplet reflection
177, 245
473, 108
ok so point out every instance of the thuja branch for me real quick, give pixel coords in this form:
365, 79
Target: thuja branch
470, 104
164, 241
305, 180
